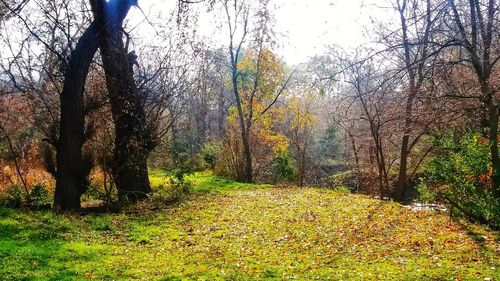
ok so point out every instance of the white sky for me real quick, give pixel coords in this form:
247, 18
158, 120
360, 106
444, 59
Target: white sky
304, 27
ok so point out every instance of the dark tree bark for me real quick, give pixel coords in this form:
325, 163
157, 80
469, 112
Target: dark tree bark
133, 142
72, 168
70, 175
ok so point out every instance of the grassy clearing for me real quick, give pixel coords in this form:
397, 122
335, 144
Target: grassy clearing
206, 182
241, 232
203, 182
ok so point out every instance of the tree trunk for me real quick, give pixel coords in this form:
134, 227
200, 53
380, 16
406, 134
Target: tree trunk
132, 141
248, 159
401, 184
495, 159
413, 89
70, 176
221, 112
354, 149
245, 131
302, 168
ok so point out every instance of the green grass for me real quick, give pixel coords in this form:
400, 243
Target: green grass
246, 232
203, 182
207, 182
158, 177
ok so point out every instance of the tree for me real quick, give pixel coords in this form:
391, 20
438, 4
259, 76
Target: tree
300, 133
258, 111
238, 16
474, 30
132, 139
69, 135
417, 53
72, 166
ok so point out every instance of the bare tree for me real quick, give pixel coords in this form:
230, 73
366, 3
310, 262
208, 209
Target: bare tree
418, 21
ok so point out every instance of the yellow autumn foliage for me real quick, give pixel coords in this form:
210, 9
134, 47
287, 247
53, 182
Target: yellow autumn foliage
265, 140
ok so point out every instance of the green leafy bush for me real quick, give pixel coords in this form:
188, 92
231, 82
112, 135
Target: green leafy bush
284, 167
425, 193
461, 176
39, 197
173, 192
175, 189
209, 154
13, 197
349, 180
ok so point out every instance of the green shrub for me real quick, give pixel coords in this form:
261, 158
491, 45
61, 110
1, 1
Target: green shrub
177, 187
171, 193
284, 167
348, 179
461, 176
209, 154
39, 197
425, 193
14, 197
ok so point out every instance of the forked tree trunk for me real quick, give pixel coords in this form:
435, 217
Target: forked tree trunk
415, 81
71, 174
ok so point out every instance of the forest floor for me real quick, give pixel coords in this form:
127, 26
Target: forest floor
230, 231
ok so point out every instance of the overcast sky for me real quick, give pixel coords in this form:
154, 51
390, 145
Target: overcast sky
304, 27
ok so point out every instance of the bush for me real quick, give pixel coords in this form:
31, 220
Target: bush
176, 189
39, 197
209, 153
284, 168
174, 192
179, 185
13, 197
461, 176
425, 193
348, 179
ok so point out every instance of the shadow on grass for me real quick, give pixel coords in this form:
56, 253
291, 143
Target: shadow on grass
35, 246
486, 250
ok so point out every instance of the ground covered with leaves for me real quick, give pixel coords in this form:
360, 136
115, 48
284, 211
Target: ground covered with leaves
232, 231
